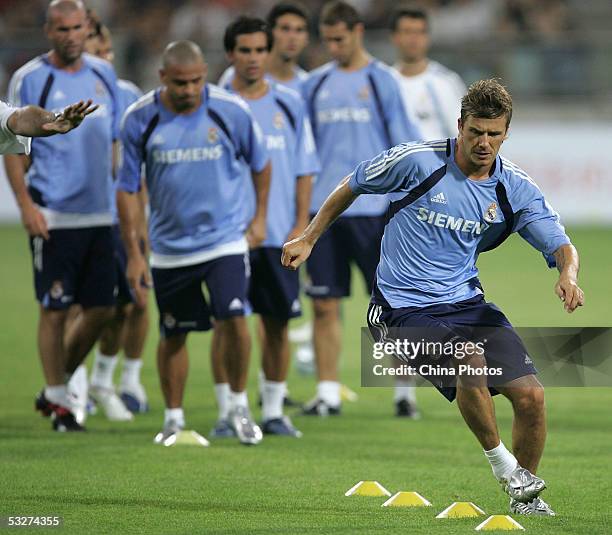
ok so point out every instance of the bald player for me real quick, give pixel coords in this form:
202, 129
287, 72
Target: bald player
192, 138
66, 207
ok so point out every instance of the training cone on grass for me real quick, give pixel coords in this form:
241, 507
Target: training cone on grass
499, 523
187, 438
461, 510
407, 499
368, 488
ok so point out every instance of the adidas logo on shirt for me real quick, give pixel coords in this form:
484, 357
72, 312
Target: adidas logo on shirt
235, 304
439, 198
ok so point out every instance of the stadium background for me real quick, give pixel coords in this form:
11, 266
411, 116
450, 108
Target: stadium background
554, 57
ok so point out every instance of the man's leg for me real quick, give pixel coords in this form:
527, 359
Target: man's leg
529, 425
327, 337
173, 366
83, 333
135, 329
108, 348
233, 347
51, 345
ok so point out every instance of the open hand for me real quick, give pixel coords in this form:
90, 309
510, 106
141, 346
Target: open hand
71, 117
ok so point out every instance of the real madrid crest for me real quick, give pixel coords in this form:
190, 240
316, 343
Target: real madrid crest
278, 120
491, 213
364, 93
213, 135
57, 290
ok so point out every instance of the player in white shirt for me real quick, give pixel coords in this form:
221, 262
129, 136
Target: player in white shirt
431, 91
18, 125
433, 95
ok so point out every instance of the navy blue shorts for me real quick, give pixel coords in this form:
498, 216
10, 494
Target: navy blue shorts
180, 296
74, 266
274, 290
471, 320
348, 240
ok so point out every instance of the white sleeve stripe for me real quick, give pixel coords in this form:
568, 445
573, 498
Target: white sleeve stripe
400, 158
517, 170
399, 152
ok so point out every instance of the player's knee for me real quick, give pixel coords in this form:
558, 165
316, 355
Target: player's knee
530, 400
326, 309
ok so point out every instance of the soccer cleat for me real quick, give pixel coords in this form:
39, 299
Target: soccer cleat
318, 407
222, 429
134, 398
64, 421
287, 402
43, 405
522, 485
167, 436
280, 426
537, 507
112, 406
405, 409
247, 431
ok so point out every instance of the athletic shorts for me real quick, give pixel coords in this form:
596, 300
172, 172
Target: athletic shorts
472, 320
273, 290
179, 293
348, 240
74, 266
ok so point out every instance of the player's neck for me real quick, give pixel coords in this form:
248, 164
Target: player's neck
413, 68
168, 104
250, 90
358, 60
280, 68
60, 63
473, 172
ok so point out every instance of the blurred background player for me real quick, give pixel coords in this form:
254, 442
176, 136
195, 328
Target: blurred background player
18, 125
67, 206
433, 95
192, 137
356, 111
282, 115
288, 22
129, 326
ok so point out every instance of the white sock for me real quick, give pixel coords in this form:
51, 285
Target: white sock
272, 399
175, 414
261, 380
502, 461
238, 399
329, 392
78, 380
103, 369
57, 394
405, 389
130, 375
222, 393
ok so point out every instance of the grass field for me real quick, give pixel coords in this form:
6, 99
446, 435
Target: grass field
114, 480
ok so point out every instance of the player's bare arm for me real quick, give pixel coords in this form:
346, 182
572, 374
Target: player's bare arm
256, 232
32, 218
567, 287
130, 218
297, 251
33, 121
302, 206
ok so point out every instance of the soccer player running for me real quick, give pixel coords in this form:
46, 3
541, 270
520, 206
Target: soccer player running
129, 326
274, 291
288, 22
427, 276
356, 111
192, 138
433, 94
67, 206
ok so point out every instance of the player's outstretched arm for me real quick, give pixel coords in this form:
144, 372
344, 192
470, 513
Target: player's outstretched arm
567, 287
33, 121
130, 219
297, 251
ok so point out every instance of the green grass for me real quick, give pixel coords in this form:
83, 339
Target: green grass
114, 480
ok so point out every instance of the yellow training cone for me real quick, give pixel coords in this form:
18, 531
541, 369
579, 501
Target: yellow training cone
461, 510
407, 499
368, 488
499, 523
186, 438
